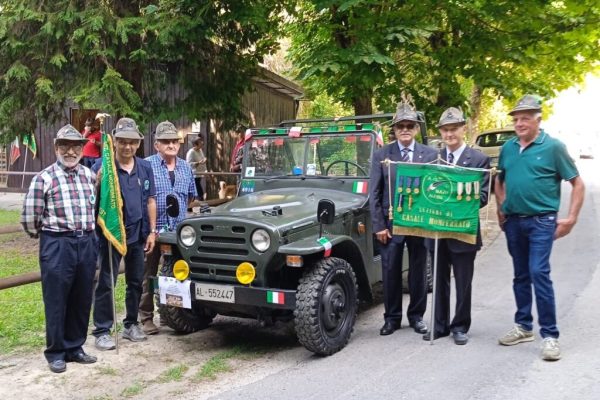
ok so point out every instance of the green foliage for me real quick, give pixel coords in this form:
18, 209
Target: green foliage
9, 217
364, 51
125, 57
175, 373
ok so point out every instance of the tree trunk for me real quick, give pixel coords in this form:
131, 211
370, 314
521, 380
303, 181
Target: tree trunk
475, 100
363, 105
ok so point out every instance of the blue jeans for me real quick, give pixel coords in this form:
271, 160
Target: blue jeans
529, 242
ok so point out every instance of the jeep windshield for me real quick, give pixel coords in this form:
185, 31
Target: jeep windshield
339, 155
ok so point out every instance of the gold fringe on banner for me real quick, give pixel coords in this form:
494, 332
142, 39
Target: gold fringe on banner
463, 237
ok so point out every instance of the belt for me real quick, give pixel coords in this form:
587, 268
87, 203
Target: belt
77, 233
529, 216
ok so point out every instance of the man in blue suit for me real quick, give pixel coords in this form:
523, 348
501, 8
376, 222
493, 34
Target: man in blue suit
452, 253
405, 126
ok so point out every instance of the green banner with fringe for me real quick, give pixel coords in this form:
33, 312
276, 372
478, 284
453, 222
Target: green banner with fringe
110, 212
436, 200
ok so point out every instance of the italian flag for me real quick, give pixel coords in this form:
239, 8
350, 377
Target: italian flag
275, 297
326, 244
360, 187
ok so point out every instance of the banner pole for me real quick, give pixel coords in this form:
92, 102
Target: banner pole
434, 277
24, 167
434, 270
112, 292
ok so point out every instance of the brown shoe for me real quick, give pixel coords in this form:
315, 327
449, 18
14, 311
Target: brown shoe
149, 328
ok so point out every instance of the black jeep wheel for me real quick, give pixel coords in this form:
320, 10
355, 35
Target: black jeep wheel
182, 320
326, 306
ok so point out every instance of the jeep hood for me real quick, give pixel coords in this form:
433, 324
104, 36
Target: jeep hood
299, 206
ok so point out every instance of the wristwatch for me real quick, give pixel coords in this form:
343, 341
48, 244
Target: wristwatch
155, 231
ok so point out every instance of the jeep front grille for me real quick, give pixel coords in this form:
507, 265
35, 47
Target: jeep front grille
220, 249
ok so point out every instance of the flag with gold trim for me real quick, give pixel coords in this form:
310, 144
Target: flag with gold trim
110, 212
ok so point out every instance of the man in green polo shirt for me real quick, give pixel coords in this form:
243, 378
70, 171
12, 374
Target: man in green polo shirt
532, 167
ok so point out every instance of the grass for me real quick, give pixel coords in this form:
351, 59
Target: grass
175, 373
107, 370
22, 320
219, 363
133, 390
9, 217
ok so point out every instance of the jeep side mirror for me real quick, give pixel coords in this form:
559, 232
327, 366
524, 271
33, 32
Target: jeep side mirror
326, 211
172, 206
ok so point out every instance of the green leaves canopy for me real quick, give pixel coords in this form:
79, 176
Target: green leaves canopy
122, 56
363, 52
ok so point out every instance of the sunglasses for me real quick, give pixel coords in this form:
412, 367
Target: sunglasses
405, 126
66, 147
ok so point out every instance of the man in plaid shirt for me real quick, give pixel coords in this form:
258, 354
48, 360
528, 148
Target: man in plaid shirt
172, 175
59, 209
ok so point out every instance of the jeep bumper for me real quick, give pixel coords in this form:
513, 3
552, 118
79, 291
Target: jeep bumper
223, 293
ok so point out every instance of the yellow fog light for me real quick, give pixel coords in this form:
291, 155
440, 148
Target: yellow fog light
245, 273
181, 270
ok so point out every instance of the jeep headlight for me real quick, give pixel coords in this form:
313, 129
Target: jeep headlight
261, 240
187, 235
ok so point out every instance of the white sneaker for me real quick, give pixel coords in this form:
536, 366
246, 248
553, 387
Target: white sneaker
515, 336
550, 349
105, 342
134, 333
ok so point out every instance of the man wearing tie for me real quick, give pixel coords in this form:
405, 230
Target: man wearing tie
405, 126
452, 253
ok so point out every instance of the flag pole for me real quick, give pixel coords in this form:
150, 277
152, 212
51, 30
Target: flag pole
24, 166
112, 292
435, 271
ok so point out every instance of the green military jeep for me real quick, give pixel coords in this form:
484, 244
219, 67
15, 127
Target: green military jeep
296, 243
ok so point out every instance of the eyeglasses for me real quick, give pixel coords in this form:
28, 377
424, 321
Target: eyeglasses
66, 147
402, 127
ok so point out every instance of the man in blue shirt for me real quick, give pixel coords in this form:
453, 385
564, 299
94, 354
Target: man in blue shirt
139, 213
172, 175
532, 167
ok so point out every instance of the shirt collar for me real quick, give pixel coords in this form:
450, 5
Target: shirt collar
456, 153
411, 146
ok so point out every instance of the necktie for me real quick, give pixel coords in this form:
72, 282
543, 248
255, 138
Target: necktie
450, 158
404, 155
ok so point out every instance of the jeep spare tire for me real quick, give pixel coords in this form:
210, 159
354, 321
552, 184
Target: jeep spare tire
326, 306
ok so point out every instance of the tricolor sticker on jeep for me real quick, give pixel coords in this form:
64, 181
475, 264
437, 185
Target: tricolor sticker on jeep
275, 297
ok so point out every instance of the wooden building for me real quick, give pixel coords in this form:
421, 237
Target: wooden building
271, 100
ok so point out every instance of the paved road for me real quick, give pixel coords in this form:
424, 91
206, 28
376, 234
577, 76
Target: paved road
403, 366
11, 201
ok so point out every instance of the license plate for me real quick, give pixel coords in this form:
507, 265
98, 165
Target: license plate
220, 293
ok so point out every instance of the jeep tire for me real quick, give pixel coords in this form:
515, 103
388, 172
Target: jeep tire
326, 306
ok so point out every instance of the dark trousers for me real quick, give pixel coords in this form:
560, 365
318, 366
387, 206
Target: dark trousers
134, 272
391, 262
150, 269
463, 266
67, 267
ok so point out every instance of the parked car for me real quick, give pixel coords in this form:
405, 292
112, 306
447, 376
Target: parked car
435, 142
489, 142
295, 244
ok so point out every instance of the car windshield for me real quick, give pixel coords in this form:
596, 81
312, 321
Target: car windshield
337, 155
493, 139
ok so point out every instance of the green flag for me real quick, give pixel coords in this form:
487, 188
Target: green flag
110, 212
29, 142
437, 200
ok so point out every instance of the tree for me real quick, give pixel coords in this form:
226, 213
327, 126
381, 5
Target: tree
365, 52
123, 56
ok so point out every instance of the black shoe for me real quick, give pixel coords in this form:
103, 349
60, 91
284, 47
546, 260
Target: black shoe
419, 326
436, 335
82, 358
57, 366
388, 328
460, 338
